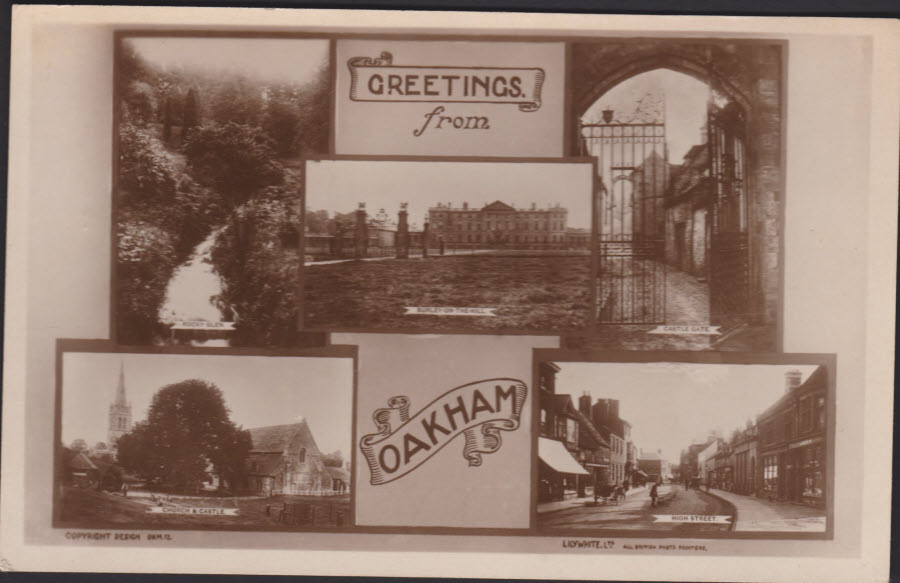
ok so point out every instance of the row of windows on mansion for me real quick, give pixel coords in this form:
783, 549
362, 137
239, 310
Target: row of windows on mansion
499, 220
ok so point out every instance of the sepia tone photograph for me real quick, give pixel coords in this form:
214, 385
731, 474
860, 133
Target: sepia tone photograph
210, 139
687, 136
475, 246
683, 449
198, 441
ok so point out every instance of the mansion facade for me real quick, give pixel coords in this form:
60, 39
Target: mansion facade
499, 225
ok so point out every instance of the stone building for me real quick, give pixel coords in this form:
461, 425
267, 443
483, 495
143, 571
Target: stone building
654, 465
499, 225
284, 459
746, 474
688, 203
792, 439
605, 415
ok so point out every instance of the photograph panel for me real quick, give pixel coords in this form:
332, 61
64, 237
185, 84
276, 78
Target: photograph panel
204, 442
685, 449
687, 135
447, 246
211, 136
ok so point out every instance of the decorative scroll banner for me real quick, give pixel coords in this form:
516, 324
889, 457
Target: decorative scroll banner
478, 410
378, 79
193, 510
705, 330
448, 311
694, 518
202, 325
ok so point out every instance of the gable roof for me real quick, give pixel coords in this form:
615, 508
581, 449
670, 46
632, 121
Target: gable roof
287, 439
595, 435
498, 205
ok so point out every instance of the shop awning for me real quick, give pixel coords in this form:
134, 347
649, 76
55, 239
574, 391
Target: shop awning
558, 457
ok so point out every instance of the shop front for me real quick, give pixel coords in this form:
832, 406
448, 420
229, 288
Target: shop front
558, 471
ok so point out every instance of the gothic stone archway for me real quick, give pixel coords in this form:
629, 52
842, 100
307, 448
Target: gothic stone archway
750, 74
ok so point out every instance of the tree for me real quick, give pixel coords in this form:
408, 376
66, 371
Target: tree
191, 114
334, 459
236, 160
167, 119
236, 99
187, 432
139, 103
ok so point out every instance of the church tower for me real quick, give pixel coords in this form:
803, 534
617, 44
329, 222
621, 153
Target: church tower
119, 413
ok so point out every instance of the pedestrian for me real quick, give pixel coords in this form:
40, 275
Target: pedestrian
653, 494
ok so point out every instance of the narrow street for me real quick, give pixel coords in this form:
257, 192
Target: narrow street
636, 513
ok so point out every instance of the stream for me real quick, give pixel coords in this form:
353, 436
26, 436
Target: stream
190, 293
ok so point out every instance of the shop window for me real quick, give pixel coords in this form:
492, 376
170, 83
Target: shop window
812, 468
770, 472
571, 431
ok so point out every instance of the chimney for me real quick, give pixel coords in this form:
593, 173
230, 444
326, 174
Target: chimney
465, 206
792, 380
584, 404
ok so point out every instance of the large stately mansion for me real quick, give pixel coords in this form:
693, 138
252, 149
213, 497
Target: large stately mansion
499, 224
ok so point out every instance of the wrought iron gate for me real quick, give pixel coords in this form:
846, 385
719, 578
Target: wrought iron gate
633, 174
729, 258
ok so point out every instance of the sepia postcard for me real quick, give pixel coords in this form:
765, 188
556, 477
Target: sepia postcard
316, 292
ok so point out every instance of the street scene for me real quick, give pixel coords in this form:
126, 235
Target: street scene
438, 246
597, 473
678, 196
169, 449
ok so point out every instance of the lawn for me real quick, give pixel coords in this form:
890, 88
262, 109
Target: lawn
529, 292
94, 509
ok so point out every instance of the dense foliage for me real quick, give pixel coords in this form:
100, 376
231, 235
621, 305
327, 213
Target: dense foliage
256, 255
187, 435
199, 150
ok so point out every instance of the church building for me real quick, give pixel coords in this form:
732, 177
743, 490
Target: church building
284, 459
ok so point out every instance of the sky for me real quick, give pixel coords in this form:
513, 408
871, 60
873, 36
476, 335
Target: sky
685, 99
265, 59
672, 405
258, 390
340, 185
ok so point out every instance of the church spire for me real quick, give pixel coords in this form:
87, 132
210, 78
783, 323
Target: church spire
120, 389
